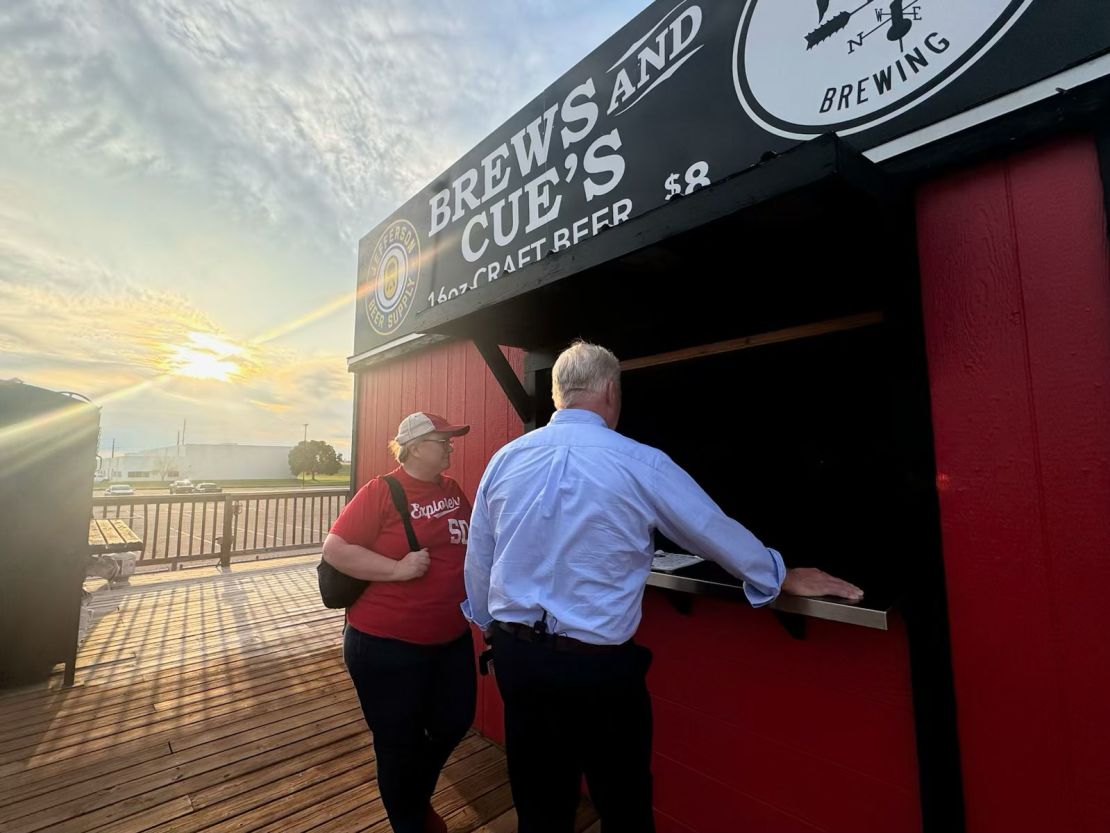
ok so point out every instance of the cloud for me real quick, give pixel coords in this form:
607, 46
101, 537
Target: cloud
96, 321
74, 325
172, 167
306, 117
273, 407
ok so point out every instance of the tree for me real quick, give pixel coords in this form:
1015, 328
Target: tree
313, 457
167, 467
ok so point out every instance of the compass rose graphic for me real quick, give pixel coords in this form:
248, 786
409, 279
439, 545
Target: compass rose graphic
806, 67
898, 19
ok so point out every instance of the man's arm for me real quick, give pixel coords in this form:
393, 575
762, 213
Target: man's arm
689, 516
479, 563
359, 562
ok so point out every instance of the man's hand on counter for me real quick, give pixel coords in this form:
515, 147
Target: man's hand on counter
809, 581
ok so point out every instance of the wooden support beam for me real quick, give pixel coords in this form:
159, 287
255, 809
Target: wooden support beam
835, 325
506, 377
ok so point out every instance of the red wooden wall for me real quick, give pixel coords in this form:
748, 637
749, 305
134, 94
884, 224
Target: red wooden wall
755, 730
1016, 290
451, 380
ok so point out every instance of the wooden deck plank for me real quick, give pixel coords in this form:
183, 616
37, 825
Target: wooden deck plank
292, 704
478, 810
275, 814
46, 779
268, 799
111, 533
262, 651
362, 808
585, 822
343, 794
96, 536
126, 534
217, 702
75, 713
325, 686
272, 763
57, 734
173, 769
165, 728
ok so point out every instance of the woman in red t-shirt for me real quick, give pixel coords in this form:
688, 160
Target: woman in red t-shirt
407, 646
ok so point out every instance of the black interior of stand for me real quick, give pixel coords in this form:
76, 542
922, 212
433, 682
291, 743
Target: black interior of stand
800, 443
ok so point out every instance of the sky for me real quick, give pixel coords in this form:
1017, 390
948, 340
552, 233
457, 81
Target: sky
183, 186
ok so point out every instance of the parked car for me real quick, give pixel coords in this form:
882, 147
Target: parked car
182, 487
120, 489
208, 486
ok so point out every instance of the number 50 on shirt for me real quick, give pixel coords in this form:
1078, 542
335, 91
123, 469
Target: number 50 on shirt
459, 529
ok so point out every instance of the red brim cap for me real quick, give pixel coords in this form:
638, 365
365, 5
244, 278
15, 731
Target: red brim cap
444, 427
417, 425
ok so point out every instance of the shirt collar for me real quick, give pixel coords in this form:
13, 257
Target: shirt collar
577, 415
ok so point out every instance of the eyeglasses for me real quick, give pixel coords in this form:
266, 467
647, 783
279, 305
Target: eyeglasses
447, 445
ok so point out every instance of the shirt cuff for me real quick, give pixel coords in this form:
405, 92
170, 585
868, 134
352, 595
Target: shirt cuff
468, 612
758, 597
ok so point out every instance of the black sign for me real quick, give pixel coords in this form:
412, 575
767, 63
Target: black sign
685, 95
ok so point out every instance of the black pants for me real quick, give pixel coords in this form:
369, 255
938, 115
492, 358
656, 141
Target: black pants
569, 715
418, 701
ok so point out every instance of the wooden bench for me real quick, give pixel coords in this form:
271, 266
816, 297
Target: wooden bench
107, 538
108, 535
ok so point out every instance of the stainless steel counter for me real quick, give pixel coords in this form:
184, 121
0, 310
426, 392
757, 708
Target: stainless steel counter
707, 578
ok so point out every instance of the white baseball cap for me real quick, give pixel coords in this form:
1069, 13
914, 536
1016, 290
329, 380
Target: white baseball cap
417, 425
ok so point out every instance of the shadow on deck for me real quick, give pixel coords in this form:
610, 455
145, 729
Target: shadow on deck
216, 702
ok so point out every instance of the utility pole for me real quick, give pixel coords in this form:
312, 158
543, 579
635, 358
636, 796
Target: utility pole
305, 449
112, 465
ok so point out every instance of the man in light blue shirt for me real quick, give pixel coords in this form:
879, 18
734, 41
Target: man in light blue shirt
560, 547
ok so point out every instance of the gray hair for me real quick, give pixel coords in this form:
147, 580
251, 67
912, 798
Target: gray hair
582, 368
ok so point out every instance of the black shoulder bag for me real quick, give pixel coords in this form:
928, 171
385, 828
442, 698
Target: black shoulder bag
341, 590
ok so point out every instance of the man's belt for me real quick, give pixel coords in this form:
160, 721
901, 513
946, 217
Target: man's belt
558, 642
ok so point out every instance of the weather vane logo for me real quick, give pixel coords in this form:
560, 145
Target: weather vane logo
393, 273
817, 66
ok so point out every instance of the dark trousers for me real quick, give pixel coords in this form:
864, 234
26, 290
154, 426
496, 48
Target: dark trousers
418, 701
569, 715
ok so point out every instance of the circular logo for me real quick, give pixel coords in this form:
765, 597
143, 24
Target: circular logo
393, 274
819, 66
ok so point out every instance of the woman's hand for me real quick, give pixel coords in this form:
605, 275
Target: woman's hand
412, 566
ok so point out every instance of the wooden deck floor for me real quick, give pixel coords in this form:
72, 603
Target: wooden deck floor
216, 702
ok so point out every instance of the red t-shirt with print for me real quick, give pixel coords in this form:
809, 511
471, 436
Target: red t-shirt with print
424, 610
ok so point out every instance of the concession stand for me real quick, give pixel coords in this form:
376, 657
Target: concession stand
854, 259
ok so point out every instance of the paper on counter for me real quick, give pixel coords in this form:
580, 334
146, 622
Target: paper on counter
668, 562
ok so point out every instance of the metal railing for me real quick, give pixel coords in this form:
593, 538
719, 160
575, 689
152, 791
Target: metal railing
203, 527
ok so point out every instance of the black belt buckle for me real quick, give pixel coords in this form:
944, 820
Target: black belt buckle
539, 628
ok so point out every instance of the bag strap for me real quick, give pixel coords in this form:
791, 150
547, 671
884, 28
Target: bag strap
397, 492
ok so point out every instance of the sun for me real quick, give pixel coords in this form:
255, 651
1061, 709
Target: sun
206, 357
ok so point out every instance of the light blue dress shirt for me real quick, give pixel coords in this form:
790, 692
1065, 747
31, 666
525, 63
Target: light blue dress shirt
563, 522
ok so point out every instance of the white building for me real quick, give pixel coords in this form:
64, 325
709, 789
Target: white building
225, 461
